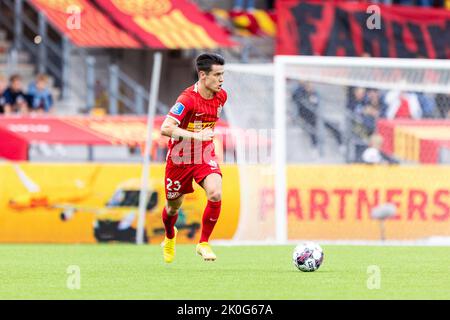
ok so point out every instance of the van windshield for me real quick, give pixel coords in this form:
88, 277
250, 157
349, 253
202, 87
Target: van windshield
124, 198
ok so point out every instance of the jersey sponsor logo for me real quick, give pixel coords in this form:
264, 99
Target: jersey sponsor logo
177, 108
199, 114
194, 126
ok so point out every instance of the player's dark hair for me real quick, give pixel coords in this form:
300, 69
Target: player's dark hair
205, 61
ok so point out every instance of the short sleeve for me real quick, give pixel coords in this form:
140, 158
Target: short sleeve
181, 108
225, 96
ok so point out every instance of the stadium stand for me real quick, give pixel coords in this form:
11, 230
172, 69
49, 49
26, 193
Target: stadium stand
96, 72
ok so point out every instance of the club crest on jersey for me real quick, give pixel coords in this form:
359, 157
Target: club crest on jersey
177, 108
219, 110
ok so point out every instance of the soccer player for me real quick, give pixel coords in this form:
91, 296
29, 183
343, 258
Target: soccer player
190, 125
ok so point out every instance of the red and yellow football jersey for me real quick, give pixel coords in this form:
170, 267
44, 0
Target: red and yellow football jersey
192, 112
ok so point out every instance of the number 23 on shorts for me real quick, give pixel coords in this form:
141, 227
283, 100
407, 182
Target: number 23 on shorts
173, 185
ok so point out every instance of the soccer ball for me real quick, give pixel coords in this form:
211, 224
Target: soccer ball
307, 257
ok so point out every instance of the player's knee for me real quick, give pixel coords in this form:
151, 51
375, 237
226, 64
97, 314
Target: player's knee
215, 195
172, 210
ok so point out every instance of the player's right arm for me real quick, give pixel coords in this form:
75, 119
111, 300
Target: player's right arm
177, 113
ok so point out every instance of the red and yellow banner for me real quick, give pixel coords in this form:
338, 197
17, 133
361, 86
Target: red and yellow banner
247, 23
83, 24
346, 28
414, 140
172, 24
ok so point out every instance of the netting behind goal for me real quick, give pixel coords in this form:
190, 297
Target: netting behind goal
249, 112
316, 110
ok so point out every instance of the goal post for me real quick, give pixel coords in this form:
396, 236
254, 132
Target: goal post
280, 149
151, 111
263, 97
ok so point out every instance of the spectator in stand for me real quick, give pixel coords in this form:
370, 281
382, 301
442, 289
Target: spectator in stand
356, 98
41, 100
402, 105
240, 6
443, 105
370, 113
428, 105
16, 101
420, 3
101, 97
307, 101
3, 85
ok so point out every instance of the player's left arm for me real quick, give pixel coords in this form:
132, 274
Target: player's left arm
223, 98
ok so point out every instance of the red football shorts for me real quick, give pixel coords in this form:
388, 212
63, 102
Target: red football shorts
178, 178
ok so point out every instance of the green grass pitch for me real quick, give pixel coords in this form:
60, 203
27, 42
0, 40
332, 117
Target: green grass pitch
117, 271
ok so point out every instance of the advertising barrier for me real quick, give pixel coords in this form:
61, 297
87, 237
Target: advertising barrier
335, 202
414, 140
77, 138
89, 203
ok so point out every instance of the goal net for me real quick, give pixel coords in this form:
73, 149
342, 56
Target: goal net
307, 110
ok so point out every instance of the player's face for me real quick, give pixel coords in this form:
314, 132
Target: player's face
214, 79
